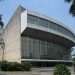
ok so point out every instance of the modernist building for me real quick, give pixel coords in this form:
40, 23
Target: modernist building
30, 36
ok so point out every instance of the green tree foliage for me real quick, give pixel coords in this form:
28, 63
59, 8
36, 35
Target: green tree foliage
1, 22
61, 69
72, 7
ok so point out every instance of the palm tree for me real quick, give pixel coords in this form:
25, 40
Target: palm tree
72, 7
1, 23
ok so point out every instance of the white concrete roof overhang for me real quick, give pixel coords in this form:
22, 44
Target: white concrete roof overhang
42, 35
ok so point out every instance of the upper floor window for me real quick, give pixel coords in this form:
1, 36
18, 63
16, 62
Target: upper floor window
37, 20
45, 23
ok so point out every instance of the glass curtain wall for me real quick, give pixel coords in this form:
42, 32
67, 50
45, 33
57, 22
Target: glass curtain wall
39, 49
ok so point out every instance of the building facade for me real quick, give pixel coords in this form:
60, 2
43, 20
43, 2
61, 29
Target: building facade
30, 36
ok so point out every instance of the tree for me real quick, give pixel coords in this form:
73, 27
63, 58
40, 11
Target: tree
1, 22
72, 7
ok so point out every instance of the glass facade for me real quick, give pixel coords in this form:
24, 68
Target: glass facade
46, 23
38, 49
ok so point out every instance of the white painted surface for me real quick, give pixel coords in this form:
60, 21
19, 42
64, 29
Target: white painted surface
23, 20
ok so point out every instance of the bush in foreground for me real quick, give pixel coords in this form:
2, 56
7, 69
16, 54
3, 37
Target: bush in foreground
61, 69
14, 66
26, 66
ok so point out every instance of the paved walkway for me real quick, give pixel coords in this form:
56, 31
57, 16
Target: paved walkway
28, 73
35, 71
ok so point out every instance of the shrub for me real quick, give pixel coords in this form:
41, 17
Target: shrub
61, 69
26, 66
4, 65
14, 66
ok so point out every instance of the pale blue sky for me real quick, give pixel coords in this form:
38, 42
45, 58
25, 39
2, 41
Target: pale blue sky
57, 9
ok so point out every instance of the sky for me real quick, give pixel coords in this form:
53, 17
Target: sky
57, 9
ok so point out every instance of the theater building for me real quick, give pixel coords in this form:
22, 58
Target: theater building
35, 38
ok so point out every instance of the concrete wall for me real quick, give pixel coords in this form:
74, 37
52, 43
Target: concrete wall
12, 35
23, 21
